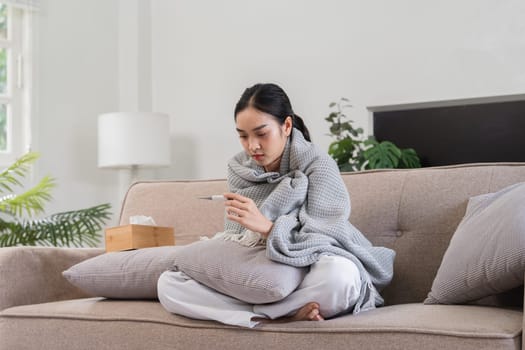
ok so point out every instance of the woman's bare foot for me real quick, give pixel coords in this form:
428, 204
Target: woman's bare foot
309, 312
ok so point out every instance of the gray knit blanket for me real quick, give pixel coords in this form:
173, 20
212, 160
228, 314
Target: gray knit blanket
309, 204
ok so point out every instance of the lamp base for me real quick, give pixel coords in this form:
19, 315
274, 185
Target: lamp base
127, 177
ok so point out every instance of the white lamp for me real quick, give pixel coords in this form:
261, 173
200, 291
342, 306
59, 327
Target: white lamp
130, 140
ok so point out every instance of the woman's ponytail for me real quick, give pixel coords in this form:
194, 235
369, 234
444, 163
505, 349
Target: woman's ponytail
299, 124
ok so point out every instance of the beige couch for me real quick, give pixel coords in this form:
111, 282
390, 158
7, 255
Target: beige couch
414, 212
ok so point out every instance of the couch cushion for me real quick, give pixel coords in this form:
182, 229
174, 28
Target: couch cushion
486, 254
145, 324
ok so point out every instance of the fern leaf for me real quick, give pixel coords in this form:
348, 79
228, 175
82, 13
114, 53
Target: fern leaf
73, 228
11, 175
31, 201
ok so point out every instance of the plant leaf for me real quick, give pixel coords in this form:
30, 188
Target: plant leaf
382, 155
73, 228
409, 159
331, 117
347, 167
11, 175
341, 150
31, 201
78, 228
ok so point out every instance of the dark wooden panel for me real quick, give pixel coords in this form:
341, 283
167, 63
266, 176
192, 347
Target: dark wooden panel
488, 132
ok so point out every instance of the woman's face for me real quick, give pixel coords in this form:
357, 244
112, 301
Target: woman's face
262, 137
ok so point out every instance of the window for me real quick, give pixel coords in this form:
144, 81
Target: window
14, 91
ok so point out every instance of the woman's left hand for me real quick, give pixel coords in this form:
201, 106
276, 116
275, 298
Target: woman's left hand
244, 211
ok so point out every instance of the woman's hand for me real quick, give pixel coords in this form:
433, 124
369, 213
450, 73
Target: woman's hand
244, 211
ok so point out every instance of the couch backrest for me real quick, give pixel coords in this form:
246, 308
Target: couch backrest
175, 204
413, 211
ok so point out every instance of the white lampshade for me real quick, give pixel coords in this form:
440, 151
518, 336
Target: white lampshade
133, 139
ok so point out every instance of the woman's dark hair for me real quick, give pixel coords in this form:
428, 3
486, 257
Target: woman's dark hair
271, 99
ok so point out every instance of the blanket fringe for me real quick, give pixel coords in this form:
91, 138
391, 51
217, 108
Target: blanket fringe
247, 238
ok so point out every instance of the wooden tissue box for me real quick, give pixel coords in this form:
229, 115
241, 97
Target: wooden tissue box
138, 236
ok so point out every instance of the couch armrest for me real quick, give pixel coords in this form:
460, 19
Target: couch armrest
31, 275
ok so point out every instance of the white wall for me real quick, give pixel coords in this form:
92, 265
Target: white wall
192, 59
76, 78
372, 52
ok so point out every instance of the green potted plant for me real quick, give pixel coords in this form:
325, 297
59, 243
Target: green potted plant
18, 225
353, 152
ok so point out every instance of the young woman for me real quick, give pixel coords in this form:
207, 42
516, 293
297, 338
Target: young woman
289, 195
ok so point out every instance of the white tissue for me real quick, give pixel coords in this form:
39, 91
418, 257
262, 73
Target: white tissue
141, 220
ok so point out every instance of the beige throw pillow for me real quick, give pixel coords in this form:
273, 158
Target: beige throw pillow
486, 254
242, 272
129, 274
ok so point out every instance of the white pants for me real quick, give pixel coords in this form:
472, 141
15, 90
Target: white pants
333, 282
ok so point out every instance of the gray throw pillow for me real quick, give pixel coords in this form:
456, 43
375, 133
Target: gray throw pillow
129, 274
486, 254
242, 272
